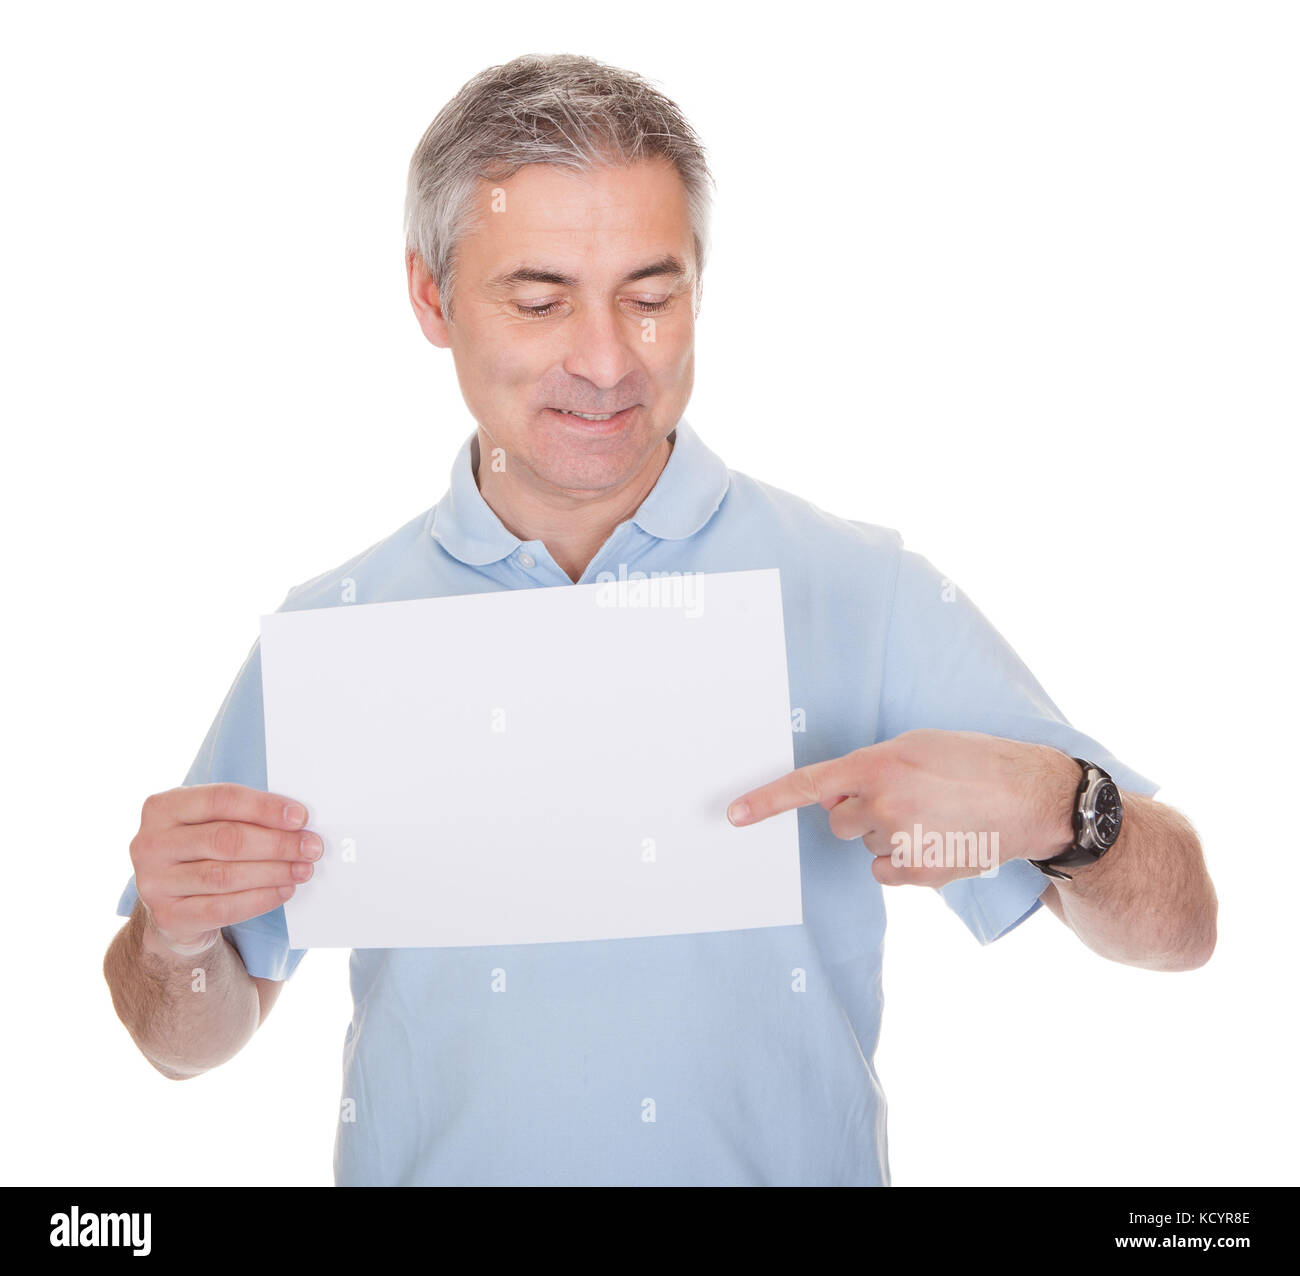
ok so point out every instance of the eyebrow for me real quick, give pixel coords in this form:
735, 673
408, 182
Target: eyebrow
666, 265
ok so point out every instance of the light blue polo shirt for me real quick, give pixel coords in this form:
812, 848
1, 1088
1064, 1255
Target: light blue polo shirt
738, 1057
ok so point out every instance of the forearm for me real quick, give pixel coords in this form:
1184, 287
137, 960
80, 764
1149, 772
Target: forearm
1149, 900
186, 1014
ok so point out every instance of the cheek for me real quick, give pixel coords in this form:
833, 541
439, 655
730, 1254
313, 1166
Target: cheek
495, 370
507, 365
671, 355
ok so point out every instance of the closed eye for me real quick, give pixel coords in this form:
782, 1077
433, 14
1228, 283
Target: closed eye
539, 312
549, 308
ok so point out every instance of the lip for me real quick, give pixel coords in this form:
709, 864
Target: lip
612, 426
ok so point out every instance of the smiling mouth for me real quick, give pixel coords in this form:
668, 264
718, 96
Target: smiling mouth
590, 416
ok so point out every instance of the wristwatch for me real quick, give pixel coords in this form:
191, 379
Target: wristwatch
1098, 814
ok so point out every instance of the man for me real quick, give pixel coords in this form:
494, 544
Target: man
556, 234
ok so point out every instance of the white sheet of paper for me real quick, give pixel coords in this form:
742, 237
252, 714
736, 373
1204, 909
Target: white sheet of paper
536, 765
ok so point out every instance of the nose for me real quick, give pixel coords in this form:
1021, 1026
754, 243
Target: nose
603, 346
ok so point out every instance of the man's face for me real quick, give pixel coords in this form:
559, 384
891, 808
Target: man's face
575, 294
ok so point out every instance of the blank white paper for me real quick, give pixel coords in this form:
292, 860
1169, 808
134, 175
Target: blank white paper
536, 765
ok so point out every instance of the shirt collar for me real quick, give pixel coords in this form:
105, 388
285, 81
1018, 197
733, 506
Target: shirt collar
687, 493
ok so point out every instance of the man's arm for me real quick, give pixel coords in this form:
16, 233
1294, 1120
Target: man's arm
206, 856
186, 1014
1149, 900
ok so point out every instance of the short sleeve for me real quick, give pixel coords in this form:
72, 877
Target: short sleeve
947, 667
234, 751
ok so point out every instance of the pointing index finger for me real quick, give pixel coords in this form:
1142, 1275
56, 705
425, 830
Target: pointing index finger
819, 783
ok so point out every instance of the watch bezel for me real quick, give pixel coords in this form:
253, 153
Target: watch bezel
1102, 783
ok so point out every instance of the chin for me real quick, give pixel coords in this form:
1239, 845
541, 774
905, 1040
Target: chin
588, 473
573, 455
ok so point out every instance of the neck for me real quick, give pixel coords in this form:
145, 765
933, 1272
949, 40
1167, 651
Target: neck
573, 525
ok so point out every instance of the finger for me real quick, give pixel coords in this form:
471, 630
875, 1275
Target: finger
818, 783
231, 840
887, 873
208, 912
853, 817
203, 803
230, 877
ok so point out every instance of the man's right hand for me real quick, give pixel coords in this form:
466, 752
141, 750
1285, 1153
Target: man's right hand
211, 855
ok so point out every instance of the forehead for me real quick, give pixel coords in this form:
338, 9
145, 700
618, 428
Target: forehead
557, 214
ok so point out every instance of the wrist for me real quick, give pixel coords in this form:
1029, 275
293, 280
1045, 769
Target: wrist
1058, 786
155, 940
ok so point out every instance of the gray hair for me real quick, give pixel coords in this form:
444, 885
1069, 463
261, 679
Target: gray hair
560, 109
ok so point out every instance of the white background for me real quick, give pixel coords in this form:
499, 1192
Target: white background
1019, 280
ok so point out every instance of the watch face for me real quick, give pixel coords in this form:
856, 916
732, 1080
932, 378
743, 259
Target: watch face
1109, 812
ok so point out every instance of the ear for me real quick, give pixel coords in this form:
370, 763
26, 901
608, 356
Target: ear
425, 301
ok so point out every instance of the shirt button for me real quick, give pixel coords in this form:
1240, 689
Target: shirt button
526, 559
